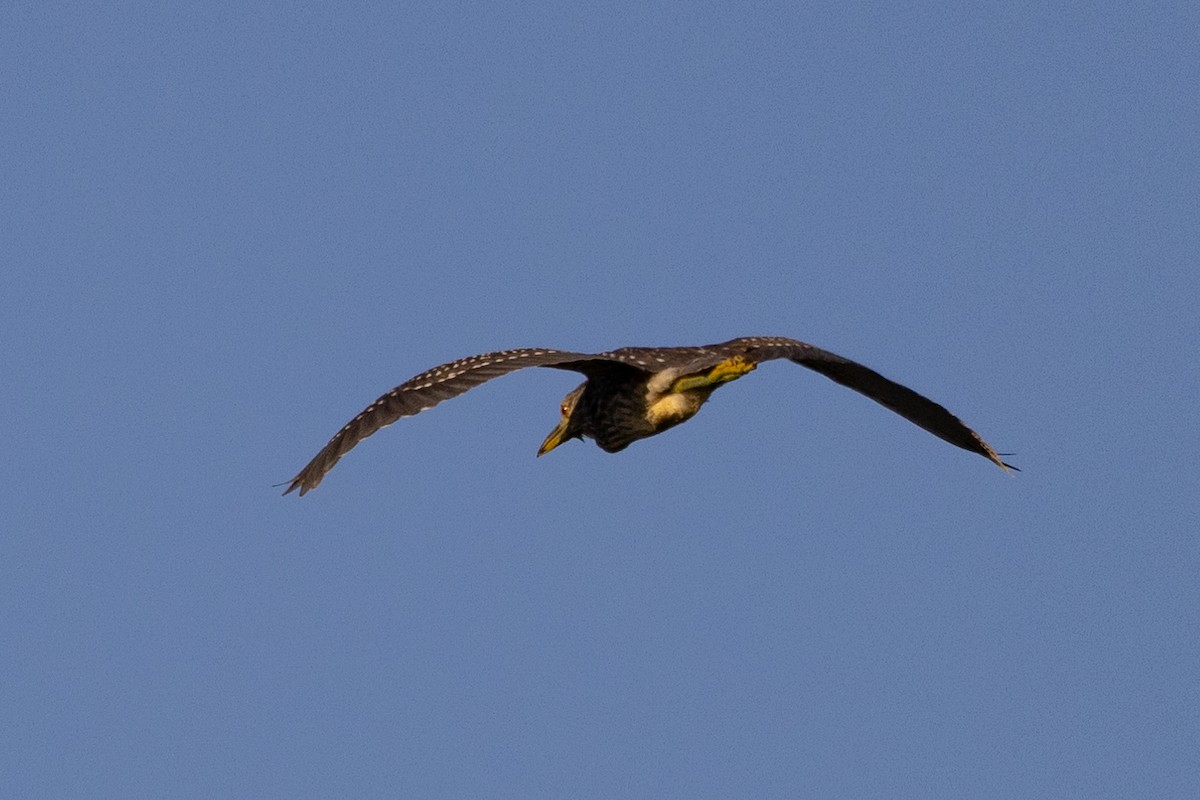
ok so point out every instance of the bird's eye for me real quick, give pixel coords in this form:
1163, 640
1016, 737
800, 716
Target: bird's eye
563, 409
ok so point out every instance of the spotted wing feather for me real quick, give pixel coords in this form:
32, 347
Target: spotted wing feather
914, 407
424, 392
654, 359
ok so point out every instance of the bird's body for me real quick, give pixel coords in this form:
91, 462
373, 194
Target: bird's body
618, 409
636, 392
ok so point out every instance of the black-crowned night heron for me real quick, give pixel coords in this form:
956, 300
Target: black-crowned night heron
636, 392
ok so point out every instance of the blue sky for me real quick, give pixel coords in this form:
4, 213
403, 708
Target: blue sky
227, 228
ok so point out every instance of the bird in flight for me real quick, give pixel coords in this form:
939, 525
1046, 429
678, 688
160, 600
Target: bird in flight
636, 392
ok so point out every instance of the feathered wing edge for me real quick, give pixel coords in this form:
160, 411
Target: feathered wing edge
423, 392
914, 407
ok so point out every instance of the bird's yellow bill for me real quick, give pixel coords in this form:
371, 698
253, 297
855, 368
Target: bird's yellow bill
554, 439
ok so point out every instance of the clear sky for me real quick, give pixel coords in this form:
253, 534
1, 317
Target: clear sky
227, 227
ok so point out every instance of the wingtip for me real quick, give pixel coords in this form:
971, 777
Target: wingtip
995, 458
294, 484
1004, 465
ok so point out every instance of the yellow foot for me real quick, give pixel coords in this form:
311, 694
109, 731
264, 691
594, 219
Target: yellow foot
731, 369
728, 370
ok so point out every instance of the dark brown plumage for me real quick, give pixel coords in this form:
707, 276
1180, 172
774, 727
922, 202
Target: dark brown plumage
636, 392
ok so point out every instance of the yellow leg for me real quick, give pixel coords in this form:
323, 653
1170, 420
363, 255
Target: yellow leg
728, 370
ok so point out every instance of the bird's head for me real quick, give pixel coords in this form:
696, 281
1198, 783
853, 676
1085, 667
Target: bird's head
570, 425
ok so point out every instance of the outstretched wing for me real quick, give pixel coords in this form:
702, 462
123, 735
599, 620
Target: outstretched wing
427, 390
915, 408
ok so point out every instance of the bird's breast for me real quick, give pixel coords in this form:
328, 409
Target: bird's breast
674, 408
